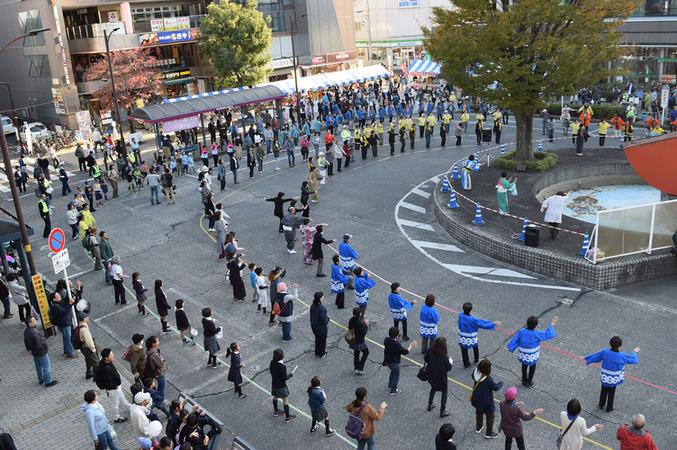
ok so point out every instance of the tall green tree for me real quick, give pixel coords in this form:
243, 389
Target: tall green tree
237, 39
536, 49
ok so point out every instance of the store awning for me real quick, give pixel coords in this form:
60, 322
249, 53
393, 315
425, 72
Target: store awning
358, 75
419, 66
178, 81
203, 103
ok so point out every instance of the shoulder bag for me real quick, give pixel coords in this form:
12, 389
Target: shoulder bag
558, 443
475, 387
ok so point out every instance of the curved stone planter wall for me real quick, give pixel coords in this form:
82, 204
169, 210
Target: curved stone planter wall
604, 275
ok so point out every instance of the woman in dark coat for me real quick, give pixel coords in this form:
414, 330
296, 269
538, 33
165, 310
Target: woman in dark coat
482, 397
318, 323
234, 268
279, 202
305, 196
316, 250
360, 326
162, 306
210, 342
438, 363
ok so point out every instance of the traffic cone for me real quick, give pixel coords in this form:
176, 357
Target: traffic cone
476, 163
452, 200
455, 175
445, 184
524, 230
478, 216
586, 244
502, 149
620, 145
540, 145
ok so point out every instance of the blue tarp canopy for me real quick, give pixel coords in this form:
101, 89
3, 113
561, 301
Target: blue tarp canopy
419, 66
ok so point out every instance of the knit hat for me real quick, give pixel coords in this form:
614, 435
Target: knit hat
281, 287
511, 393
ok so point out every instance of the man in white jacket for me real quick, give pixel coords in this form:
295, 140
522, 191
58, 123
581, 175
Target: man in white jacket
138, 417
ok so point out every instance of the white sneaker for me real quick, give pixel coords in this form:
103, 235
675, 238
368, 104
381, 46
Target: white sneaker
291, 251
212, 229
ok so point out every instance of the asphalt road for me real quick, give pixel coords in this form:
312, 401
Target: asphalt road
396, 243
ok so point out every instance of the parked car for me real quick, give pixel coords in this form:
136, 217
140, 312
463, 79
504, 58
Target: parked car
38, 131
8, 125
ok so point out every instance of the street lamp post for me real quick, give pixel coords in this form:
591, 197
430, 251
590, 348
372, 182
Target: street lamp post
10, 177
292, 25
106, 38
16, 118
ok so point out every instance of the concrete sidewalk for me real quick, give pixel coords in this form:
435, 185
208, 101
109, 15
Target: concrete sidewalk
40, 417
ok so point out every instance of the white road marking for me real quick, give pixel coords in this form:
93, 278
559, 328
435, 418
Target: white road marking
436, 245
417, 191
435, 180
486, 271
466, 272
419, 225
413, 207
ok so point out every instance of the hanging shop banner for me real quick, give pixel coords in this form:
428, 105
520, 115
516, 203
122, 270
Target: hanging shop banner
84, 125
157, 25
43, 305
178, 36
183, 23
171, 24
184, 123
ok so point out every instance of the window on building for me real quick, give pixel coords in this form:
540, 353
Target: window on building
38, 66
30, 20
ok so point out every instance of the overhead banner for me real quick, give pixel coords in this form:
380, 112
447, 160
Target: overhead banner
184, 123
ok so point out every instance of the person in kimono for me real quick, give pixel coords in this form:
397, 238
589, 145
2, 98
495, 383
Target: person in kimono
362, 285
338, 280
613, 370
347, 257
504, 187
466, 181
528, 343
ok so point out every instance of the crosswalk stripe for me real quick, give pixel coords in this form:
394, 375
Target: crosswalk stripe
419, 225
423, 194
413, 207
437, 245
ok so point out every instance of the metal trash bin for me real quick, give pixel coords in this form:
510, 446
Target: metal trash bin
532, 235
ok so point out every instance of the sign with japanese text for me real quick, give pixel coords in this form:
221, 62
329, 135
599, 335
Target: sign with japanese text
43, 305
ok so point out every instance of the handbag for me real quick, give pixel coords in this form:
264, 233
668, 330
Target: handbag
558, 443
350, 337
126, 356
474, 387
423, 374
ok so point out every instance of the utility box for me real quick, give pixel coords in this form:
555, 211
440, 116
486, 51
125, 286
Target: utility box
532, 235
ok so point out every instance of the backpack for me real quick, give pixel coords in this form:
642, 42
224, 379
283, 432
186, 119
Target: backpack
98, 378
356, 426
86, 241
75, 338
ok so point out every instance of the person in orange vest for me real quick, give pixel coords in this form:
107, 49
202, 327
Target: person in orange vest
652, 122
673, 125
618, 125
585, 118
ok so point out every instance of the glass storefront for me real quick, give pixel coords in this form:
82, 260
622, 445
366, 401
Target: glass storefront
645, 65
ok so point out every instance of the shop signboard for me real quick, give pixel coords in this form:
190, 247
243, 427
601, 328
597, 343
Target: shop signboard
320, 59
408, 3
171, 24
183, 123
178, 36
668, 78
157, 25
84, 125
183, 23
340, 57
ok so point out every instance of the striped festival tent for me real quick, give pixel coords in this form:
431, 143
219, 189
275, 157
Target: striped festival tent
419, 66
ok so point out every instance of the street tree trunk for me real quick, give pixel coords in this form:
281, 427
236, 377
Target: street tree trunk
524, 122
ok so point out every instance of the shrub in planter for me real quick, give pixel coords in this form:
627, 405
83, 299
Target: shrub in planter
542, 162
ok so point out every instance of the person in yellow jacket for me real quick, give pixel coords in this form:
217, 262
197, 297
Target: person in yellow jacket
432, 122
44, 215
412, 130
446, 120
574, 130
87, 215
379, 131
629, 128
603, 127
421, 124
465, 118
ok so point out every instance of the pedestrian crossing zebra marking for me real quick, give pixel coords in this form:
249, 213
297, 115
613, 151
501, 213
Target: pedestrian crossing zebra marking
413, 207
436, 245
423, 194
419, 225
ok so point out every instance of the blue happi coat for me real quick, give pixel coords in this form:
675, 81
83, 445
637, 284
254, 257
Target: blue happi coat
398, 307
362, 286
528, 343
467, 329
613, 365
429, 319
347, 256
338, 279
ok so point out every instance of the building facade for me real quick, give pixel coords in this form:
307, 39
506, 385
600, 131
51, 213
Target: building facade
48, 76
392, 29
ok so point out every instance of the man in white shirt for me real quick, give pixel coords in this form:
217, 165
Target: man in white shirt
96, 138
153, 181
553, 216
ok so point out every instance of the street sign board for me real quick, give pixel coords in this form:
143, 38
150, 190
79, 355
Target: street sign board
665, 96
57, 240
60, 261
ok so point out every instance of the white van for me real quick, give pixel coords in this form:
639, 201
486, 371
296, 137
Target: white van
8, 126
